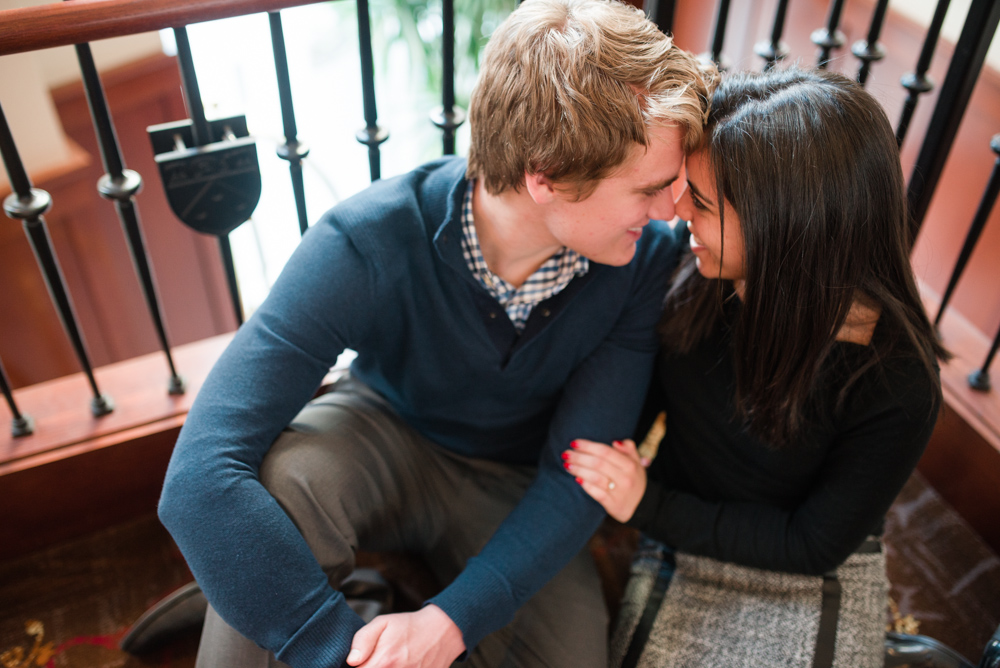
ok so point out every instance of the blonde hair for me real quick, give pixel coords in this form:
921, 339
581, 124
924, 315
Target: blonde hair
568, 88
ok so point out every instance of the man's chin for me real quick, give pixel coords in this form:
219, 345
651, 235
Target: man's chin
618, 259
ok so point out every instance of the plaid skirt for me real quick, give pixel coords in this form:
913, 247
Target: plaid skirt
684, 611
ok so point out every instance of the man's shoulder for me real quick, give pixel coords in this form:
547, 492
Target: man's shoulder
408, 202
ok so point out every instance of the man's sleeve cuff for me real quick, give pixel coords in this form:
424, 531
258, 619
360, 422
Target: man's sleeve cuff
325, 639
479, 601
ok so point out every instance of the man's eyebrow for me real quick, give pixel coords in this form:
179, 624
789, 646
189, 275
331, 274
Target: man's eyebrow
654, 187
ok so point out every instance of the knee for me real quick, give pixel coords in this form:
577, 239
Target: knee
286, 467
298, 462
314, 491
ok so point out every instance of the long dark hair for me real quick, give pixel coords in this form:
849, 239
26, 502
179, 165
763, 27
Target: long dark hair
809, 163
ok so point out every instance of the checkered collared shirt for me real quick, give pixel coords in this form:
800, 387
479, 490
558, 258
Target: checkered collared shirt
554, 275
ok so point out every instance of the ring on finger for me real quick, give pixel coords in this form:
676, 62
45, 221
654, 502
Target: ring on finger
611, 485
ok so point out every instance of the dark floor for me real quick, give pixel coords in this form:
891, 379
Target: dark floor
69, 606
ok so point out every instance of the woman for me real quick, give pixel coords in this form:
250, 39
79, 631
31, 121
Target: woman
798, 375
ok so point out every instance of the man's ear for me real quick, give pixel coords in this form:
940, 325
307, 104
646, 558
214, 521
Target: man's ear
540, 187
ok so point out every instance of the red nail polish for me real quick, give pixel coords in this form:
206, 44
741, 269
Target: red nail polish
574, 444
565, 455
580, 480
566, 465
618, 443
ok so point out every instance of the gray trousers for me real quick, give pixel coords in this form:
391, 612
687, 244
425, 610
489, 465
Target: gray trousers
352, 475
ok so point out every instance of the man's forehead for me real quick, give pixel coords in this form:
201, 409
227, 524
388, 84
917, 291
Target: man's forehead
660, 162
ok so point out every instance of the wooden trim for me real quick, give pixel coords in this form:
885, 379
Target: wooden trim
77, 473
92, 490
132, 83
66, 23
962, 461
981, 410
60, 408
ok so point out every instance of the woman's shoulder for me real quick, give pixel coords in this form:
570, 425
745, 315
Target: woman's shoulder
896, 384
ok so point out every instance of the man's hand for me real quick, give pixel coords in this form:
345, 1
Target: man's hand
423, 639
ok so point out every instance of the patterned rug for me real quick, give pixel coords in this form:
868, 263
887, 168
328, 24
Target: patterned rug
69, 606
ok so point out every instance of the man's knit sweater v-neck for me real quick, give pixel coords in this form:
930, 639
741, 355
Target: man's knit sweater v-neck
383, 274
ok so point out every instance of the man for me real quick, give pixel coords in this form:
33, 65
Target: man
499, 310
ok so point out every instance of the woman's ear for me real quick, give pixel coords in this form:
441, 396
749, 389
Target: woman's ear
540, 187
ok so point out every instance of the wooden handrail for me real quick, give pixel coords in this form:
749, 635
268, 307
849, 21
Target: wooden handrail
78, 21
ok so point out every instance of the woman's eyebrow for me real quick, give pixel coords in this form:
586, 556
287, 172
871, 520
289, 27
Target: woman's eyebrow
701, 196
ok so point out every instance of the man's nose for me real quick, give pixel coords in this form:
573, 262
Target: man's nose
662, 206
683, 205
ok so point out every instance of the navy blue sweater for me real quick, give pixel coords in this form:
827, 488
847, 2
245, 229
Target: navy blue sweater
383, 274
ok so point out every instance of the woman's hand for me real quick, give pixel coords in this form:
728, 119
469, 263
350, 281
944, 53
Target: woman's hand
615, 476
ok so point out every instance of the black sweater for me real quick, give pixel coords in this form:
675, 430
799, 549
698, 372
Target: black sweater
716, 491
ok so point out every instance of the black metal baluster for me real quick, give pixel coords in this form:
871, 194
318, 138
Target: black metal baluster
120, 185
829, 38
202, 135
975, 230
774, 50
661, 12
28, 204
869, 50
719, 36
980, 379
192, 94
966, 64
371, 135
448, 117
292, 150
918, 82
20, 424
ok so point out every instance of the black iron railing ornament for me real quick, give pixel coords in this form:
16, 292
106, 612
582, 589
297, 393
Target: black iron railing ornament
829, 37
917, 82
869, 50
20, 424
211, 187
210, 170
28, 205
660, 12
448, 117
975, 230
963, 71
718, 37
980, 379
120, 185
774, 50
371, 135
293, 150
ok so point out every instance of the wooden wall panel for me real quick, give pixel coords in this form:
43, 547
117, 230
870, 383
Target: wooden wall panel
32, 342
964, 468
